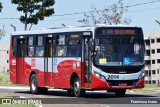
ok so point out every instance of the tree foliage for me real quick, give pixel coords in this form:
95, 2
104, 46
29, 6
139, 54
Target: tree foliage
2, 32
1, 6
111, 15
34, 10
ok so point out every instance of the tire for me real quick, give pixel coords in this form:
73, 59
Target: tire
34, 89
78, 92
43, 90
120, 93
70, 92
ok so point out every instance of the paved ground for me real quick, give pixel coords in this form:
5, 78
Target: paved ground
57, 98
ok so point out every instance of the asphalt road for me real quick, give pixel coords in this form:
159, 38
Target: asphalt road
91, 99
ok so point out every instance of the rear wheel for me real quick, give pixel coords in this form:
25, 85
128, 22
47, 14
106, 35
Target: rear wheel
34, 85
78, 92
43, 90
70, 92
120, 93
34, 89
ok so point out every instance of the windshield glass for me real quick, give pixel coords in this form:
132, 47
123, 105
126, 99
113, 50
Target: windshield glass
126, 51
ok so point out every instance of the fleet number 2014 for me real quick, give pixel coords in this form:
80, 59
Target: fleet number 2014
112, 77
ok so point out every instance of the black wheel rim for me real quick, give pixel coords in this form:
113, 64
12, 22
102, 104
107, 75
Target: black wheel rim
76, 87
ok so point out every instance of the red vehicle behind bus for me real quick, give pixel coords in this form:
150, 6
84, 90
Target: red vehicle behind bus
79, 58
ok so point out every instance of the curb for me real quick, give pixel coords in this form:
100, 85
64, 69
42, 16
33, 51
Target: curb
14, 88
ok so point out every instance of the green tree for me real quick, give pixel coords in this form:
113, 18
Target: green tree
2, 32
1, 6
111, 15
34, 10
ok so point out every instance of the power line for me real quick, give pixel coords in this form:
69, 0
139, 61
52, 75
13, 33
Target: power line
83, 17
138, 4
143, 10
69, 14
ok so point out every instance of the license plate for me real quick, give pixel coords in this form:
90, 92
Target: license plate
113, 77
123, 84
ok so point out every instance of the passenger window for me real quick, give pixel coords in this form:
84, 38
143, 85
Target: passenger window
30, 51
74, 51
14, 46
40, 51
30, 47
30, 41
61, 40
74, 48
40, 41
39, 46
61, 50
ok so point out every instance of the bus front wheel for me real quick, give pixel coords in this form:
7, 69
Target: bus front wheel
120, 93
78, 92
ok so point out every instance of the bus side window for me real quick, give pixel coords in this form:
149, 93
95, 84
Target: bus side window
30, 46
30, 51
61, 40
39, 46
14, 46
61, 48
74, 45
74, 51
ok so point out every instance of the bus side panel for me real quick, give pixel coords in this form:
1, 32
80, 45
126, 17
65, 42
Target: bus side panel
65, 69
35, 65
20, 67
12, 64
39, 66
63, 72
27, 71
98, 84
13, 70
83, 75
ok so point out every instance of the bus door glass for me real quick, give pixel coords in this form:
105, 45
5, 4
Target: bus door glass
87, 59
20, 59
49, 41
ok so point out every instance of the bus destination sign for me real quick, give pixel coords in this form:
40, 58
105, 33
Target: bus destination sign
119, 31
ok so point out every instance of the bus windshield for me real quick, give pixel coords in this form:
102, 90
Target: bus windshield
120, 51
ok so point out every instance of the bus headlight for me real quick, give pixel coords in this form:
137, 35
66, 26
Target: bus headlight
100, 76
103, 77
97, 74
142, 74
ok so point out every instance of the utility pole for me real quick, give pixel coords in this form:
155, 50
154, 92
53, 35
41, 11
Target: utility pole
13, 27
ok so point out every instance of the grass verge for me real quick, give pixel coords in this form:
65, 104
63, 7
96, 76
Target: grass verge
5, 80
152, 86
141, 91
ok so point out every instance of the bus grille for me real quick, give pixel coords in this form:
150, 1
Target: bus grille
118, 82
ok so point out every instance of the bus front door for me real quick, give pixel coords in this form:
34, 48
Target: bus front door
20, 60
48, 62
87, 61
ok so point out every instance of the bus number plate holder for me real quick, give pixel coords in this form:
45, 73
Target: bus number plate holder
122, 84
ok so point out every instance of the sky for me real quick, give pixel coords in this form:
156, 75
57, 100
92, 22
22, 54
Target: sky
141, 15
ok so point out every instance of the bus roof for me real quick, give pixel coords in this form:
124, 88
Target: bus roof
66, 29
